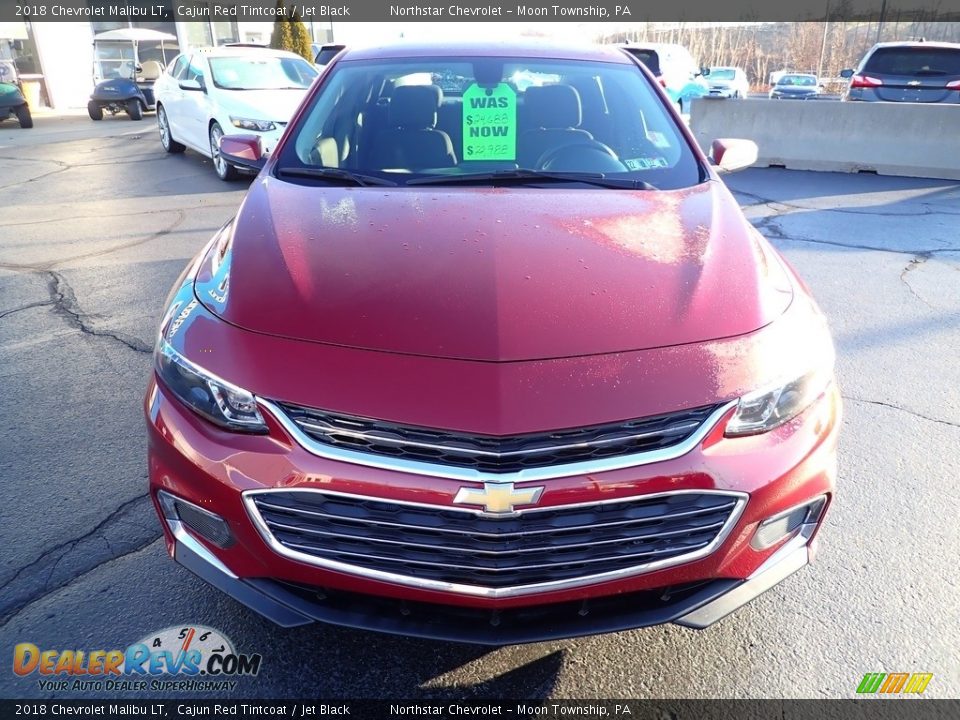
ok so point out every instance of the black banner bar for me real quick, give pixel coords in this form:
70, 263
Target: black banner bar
178, 709
622, 11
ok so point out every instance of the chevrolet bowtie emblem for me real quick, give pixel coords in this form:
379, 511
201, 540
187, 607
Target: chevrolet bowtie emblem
498, 497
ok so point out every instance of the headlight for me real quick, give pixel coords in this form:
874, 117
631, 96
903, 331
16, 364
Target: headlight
217, 400
248, 124
764, 410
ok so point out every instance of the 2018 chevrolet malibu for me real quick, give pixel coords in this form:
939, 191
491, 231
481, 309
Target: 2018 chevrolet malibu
490, 353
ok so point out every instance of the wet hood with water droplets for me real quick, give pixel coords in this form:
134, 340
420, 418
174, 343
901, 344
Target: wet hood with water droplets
498, 274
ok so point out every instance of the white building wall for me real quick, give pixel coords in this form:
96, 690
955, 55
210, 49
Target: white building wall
66, 56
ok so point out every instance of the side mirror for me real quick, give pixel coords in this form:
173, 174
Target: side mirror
848, 73
729, 154
244, 151
704, 71
191, 85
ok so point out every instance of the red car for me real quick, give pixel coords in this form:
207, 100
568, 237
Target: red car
489, 353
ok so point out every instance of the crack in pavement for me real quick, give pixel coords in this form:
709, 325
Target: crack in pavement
137, 213
40, 303
65, 304
918, 260
40, 577
776, 206
45, 266
770, 228
62, 167
891, 406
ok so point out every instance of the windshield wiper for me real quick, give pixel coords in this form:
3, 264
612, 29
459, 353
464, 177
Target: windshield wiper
334, 174
523, 175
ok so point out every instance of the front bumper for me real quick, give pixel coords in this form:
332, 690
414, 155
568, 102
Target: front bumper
213, 469
697, 606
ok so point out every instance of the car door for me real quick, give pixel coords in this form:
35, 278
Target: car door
169, 94
195, 109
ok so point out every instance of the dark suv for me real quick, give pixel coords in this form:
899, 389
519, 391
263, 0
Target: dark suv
923, 72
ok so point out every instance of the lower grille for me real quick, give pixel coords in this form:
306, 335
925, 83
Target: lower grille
435, 546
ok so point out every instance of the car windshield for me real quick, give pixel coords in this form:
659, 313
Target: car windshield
416, 121
914, 61
722, 73
798, 81
262, 72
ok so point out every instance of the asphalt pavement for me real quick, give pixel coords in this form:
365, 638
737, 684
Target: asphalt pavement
96, 224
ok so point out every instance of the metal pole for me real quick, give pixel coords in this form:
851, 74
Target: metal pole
883, 12
823, 42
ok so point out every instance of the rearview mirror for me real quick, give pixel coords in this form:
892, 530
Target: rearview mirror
244, 151
729, 154
848, 73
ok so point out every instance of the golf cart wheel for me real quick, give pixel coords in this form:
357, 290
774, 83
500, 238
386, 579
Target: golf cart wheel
94, 111
23, 115
225, 171
135, 110
166, 138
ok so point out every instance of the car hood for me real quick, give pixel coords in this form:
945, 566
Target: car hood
494, 274
793, 90
276, 105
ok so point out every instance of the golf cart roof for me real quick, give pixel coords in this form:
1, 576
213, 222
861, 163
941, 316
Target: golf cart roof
135, 35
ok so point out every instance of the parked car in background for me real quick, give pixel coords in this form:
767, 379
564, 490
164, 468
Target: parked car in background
323, 54
728, 82
920, 72
674, 68
212, 92
796, 86
493, 365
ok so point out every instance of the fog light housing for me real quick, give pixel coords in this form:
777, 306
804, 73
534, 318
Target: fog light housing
801, 519
205, 524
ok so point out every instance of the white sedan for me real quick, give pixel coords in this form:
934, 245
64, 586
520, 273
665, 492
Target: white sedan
208, 93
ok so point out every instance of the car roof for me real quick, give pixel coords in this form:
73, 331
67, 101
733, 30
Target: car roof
240, 51
524, 48
916, 44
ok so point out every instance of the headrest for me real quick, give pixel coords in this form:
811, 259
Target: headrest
553, 106
151, 70
414, 107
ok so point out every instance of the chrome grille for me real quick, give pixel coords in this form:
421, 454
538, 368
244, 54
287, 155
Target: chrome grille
434, 546
495, 454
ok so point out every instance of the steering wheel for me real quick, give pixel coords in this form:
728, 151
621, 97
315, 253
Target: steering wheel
592, 156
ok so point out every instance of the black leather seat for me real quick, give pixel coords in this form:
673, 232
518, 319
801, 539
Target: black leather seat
553, 114
411, 140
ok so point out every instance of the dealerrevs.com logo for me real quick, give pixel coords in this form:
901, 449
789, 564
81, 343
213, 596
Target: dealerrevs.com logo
187, 658
894, 683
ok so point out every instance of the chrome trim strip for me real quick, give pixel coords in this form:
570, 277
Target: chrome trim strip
400, 442
502, 536
449, 472
492, 571
474, 551
480, 590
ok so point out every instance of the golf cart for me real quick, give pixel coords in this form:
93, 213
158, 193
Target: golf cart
12, 101
126, 63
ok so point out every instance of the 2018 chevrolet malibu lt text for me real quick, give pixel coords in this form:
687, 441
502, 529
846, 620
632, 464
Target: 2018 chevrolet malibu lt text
489, 353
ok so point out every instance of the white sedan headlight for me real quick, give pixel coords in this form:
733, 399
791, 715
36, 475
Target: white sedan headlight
250, 124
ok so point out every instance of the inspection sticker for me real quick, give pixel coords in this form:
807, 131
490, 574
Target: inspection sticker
489, 123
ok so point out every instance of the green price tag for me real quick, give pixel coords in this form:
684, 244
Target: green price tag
489, 123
